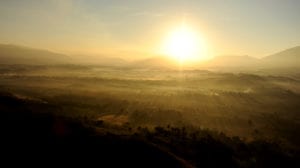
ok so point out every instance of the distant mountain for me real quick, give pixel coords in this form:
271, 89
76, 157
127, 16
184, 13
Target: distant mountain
155, 62
286, 58
13, 54
284, 61
232, 61
99, 60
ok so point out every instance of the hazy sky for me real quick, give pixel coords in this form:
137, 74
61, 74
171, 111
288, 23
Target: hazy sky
137, 27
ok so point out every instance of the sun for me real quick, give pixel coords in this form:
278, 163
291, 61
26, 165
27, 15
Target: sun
184, 45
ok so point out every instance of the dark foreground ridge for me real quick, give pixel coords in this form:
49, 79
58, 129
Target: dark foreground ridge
32, 135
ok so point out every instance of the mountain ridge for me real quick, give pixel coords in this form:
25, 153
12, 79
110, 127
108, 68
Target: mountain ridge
15, 54
286, 58
293, 52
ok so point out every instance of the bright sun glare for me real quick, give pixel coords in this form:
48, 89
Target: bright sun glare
184, 45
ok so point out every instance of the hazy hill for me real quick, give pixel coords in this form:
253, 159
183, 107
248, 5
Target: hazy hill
233, 61
287, 58
13, 54
284, 62
154, 62
287, 61
99, 60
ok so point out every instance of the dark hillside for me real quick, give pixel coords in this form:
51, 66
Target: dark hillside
30, 132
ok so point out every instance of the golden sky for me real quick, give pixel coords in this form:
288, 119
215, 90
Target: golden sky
137, 28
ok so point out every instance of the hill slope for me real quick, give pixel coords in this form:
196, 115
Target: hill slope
34, 131
155, 62
12, 54
287, 58
233, 61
